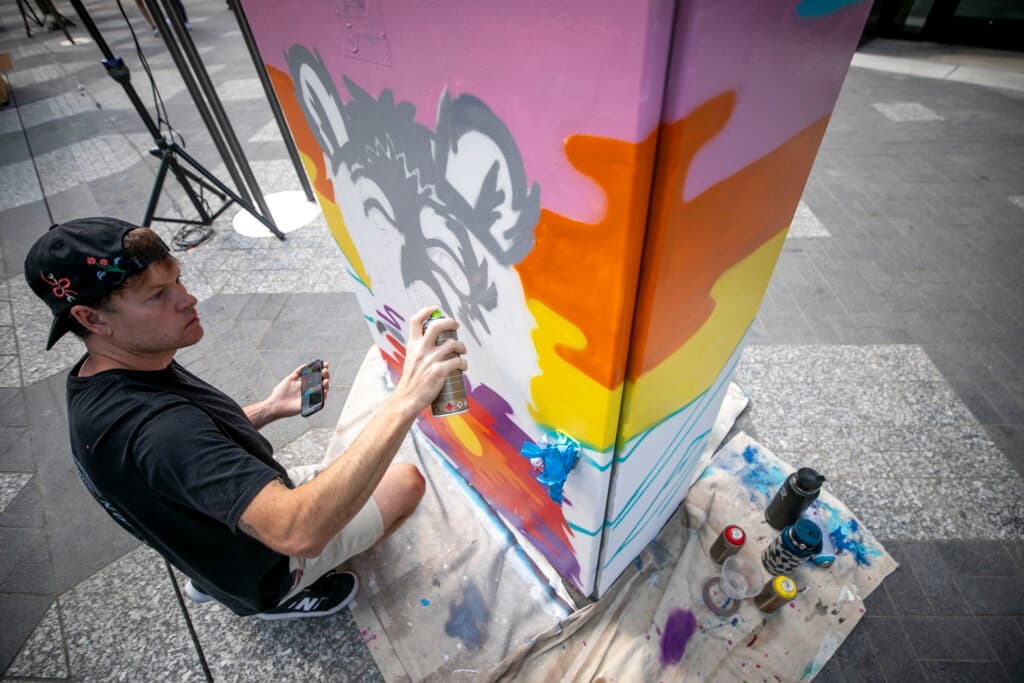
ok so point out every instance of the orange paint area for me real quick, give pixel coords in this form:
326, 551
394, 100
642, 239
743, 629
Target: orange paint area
690, 244
313, 160
586, 272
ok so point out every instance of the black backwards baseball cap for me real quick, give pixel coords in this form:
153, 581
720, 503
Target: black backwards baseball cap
81, 262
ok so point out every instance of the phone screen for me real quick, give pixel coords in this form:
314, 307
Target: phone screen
312, 388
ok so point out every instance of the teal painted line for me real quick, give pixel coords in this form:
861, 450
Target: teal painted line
647, 483
673, 445
644, 518
657, 424
369, 319
822, 8
651, 477
696, 398
588, 532
358, 279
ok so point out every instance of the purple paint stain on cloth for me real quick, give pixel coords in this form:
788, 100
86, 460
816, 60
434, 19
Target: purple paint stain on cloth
680, 626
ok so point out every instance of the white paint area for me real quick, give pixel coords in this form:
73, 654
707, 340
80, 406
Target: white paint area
806, 224
290, 210
903, 112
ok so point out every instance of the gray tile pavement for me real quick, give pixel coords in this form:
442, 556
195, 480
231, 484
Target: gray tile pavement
888, 352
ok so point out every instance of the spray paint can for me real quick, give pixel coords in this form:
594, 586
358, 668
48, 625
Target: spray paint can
794, 496
795, 545
776, 593
728, 543
452, 400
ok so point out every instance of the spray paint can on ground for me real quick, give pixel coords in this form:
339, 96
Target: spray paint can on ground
728, 543
794, 496
776, 593
452, 400
794, 546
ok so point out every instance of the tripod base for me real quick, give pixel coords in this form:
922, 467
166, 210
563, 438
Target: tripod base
169, 153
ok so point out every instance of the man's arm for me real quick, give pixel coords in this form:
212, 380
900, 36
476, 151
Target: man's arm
284, 400
299, 522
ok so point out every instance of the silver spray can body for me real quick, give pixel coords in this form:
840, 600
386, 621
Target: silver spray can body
452, 400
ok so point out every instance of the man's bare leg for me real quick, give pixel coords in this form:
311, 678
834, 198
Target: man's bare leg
398, 494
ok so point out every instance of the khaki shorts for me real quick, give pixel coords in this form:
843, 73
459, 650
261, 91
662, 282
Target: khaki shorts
365, 529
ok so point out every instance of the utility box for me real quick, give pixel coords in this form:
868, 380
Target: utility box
598, 192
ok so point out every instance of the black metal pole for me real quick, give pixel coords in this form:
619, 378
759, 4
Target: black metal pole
275, 106
228, 132
193, 90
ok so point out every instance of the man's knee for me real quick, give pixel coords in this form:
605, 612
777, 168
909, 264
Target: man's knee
398, 494
412, 482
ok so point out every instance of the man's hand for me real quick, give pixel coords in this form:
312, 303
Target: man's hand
426, 364
284, 400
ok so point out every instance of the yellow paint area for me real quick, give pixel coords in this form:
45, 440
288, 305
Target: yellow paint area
695, 365
336, 224
563, 396
464, 433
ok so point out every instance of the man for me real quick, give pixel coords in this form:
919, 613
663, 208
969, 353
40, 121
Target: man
183, 467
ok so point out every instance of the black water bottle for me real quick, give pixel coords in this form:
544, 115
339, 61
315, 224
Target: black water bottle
794, 496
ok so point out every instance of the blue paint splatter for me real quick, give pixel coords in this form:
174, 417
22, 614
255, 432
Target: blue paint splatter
735, 620
424, 602
846, 536
821, 8
639, 564
759, 476
467, 620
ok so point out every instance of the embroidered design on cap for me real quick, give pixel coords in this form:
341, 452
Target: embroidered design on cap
106, 266
61, 288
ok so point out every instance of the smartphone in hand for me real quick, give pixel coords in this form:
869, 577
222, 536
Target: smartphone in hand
312, 387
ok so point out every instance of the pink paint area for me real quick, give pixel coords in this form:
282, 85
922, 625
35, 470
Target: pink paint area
786, 71
547, 69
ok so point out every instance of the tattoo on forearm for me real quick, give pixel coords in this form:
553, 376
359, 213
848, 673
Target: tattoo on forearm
248, 529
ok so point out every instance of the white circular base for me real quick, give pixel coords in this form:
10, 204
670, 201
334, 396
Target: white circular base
290, 210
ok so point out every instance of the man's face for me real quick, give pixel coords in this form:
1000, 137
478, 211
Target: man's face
155, 315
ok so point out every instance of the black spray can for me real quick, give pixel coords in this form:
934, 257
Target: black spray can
794, 496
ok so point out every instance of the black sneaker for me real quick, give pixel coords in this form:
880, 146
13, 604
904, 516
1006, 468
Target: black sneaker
331, 593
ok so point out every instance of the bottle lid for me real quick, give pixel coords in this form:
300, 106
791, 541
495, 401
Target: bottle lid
808, 480
784, 587
806, 535
734, 536
438, 314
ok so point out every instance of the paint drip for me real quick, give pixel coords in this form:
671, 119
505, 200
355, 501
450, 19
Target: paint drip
679, 628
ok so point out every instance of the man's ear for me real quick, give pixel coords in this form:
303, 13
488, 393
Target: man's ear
91, 319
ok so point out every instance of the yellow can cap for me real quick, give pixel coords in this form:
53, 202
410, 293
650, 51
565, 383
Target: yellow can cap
784, 587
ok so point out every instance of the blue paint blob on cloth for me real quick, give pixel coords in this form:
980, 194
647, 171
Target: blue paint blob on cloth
467, 620
679, 628
424, 602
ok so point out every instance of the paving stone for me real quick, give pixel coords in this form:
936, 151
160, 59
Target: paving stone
42, 656
951, 671
947, 637
140, 636
891, 647
22, 613
1007, 641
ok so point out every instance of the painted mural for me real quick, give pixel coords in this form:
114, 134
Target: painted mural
573, 213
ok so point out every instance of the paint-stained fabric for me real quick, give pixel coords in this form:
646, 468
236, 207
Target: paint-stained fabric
653, 624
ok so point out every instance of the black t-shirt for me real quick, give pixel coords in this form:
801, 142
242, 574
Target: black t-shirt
176, 462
